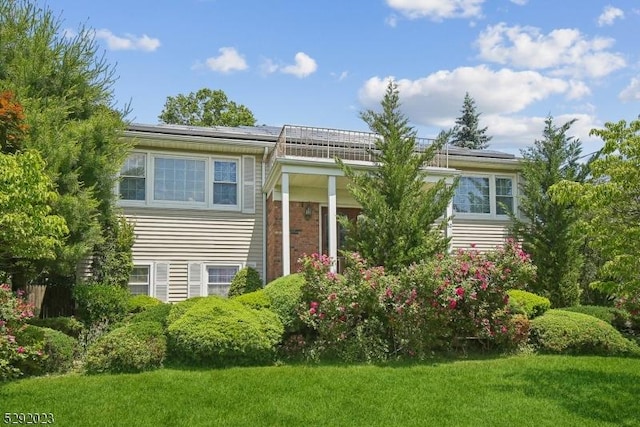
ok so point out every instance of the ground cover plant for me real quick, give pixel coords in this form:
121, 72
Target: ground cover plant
521, 390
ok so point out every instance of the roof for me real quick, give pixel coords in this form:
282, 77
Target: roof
259, 133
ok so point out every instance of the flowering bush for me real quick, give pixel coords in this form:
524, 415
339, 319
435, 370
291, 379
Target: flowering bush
343, 311
631, 305
14, 311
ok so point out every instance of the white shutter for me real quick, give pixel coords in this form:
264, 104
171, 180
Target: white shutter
248, 184
161, 281
195, 280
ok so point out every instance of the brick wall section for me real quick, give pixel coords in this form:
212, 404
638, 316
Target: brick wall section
304, 234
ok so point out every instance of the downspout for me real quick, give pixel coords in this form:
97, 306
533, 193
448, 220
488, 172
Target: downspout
264, 216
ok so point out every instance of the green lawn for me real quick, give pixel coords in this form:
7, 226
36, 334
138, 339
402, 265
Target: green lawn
514, 391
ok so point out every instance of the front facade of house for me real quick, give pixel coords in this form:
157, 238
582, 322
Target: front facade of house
206, 202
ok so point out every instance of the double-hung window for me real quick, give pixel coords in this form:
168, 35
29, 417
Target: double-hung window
225, 183
484, 196
140, 280
219, 278
133, 177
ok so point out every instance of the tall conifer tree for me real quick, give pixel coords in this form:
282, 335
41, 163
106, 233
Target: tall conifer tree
466, 133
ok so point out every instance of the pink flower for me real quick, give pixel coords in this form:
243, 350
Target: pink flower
503, 329
314, 304
321, 316
460, 292
21, 349
452, 304
332, 296
312, 311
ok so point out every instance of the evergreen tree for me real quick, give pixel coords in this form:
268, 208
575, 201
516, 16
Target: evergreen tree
549, 228
397, 224
465, 133
64, 85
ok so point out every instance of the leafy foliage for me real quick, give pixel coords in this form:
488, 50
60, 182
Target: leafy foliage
559, 331
285, 295
138, 303
396, 225
530, 304
67, 325
58, 349
217, 331
466, 133
550, 229
256, 300
205, 107
97, 303
614, 316
245, 281
155, 313
611, 202
65, 87
134, 347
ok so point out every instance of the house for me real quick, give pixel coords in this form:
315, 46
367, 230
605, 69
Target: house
206, 202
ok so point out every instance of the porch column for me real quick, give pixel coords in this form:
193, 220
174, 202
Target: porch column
333, 229
286, 240
449, 229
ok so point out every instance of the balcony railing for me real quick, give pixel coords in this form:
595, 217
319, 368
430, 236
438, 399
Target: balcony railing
324, 143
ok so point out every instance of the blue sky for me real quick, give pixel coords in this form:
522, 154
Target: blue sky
319, 63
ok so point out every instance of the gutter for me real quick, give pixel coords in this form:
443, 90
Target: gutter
264, 215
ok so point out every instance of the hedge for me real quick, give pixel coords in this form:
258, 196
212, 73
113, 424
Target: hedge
530, 304
285, 294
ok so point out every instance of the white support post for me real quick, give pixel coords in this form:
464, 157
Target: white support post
286, 238
333, 229
449, 219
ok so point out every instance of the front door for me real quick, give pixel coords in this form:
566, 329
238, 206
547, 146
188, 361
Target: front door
352, 214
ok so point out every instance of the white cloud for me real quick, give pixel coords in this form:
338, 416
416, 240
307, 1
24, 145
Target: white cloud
609, 15
564, 51
303, 67
128, 42
392, 21
340, 76
437, 10
229, 60
268, 66
631, 92
501, 96
519, 2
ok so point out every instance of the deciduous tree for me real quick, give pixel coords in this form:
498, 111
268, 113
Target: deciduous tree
205, 107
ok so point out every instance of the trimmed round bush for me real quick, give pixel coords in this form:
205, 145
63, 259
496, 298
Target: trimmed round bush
257, 300
67, 325
614, 316
96, 303
134, 347
58, 347
157, 313
216, 331
245, 281
138, 303
285, 294
566, 332
527, 303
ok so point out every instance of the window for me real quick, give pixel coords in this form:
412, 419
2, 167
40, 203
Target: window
504, 196
225, 182
179, 180
219, 278
472, 196
484, 195
139, 280
133, 177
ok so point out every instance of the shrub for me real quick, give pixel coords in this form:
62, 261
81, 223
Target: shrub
96, 303
285, 294
133, 347
138, 303
67, 325
14, 312
531, 305
561, 331
157, 313
215, 331
177, 310
257, 300
245, 281
614, 316
58, 348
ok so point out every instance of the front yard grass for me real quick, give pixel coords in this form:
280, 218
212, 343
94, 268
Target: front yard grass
520, 390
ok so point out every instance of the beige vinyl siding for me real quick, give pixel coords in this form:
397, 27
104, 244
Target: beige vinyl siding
179, 236
485, 234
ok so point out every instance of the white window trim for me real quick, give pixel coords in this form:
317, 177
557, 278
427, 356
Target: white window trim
493, 206
204, 291
151, 266
208, 200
